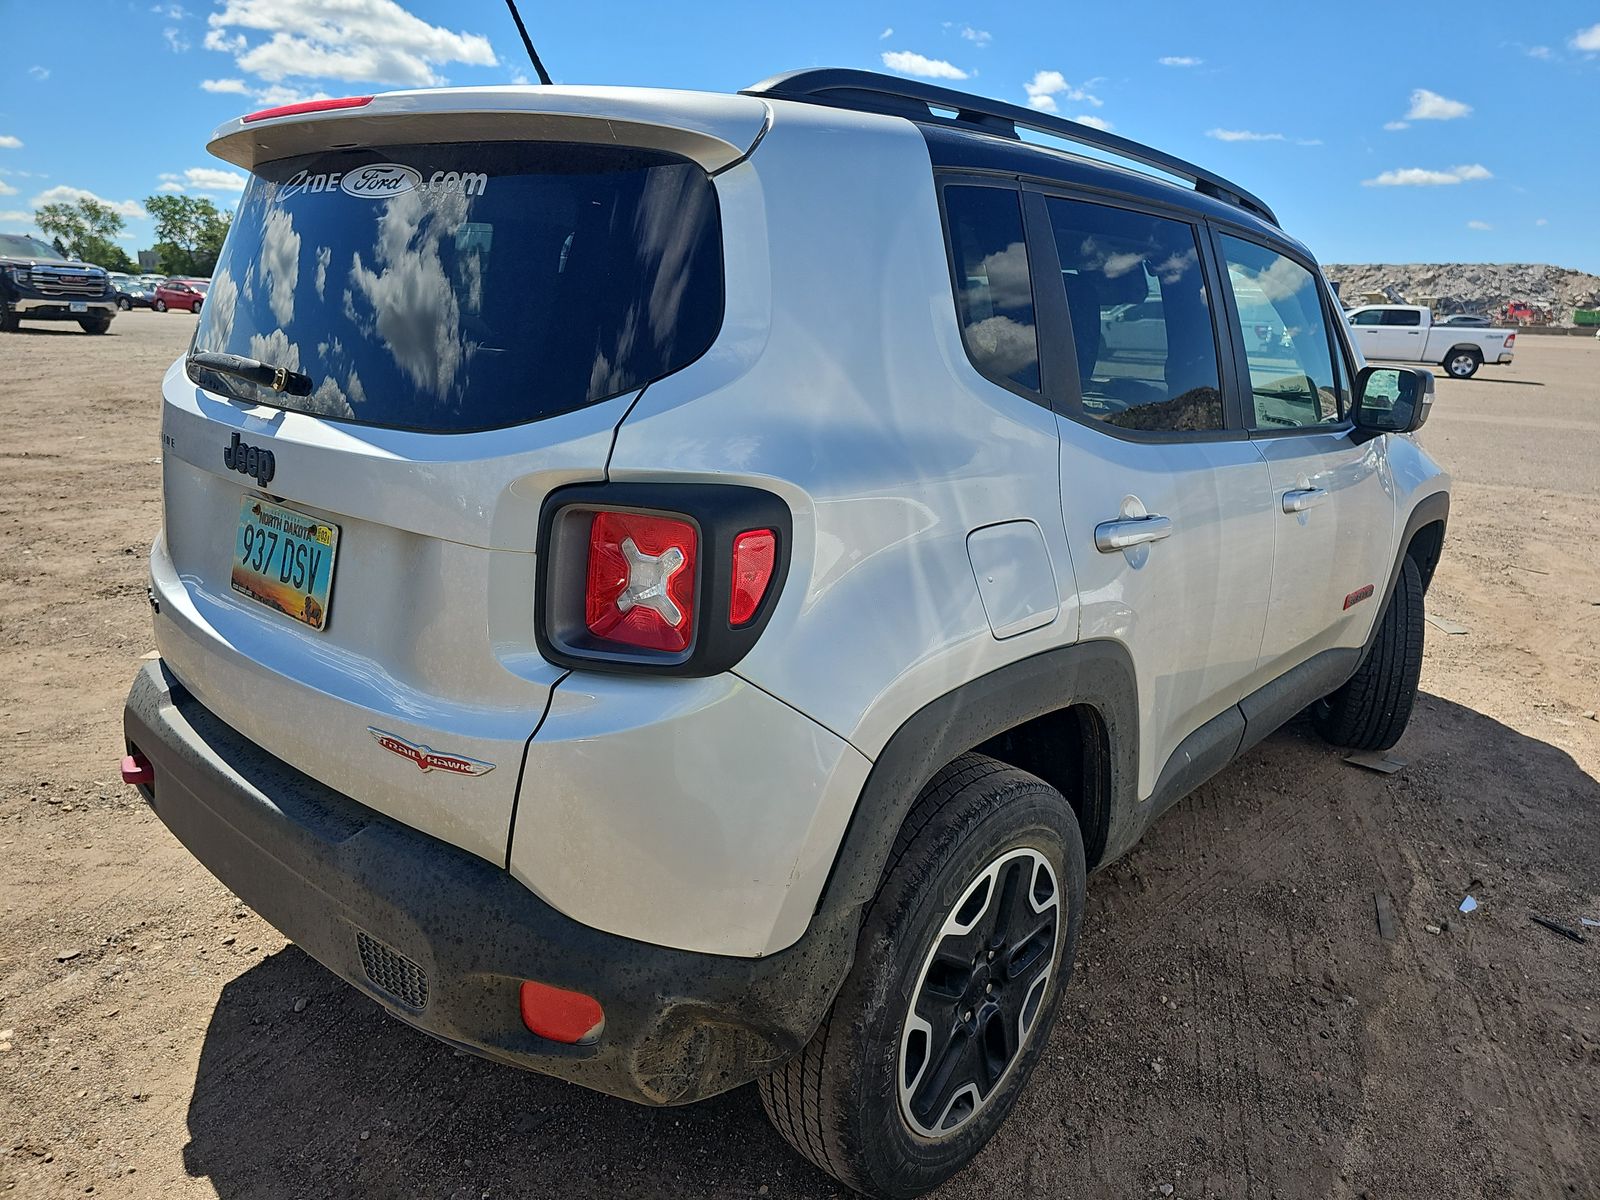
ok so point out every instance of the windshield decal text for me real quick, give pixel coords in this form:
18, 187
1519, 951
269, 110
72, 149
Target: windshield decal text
383, 181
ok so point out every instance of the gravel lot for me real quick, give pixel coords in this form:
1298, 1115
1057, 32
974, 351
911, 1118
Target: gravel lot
1237, 1026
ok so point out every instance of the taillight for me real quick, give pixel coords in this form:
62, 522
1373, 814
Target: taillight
1511, 340
308, 106
672, 578
755, 553
640, 588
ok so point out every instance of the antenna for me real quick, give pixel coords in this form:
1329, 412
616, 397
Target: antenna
538, 67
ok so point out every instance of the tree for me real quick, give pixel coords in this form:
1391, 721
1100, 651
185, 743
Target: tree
85, 229
189, 233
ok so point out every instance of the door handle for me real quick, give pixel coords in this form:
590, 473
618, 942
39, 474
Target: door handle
1111, 536
1300, 499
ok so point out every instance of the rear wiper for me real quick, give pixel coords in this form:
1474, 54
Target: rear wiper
279, 379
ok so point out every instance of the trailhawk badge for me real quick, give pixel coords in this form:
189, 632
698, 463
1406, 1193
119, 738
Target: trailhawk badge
427, 758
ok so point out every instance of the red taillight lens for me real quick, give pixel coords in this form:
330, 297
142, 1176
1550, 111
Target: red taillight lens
560, 1015
1511, 340
755, 554
136, 770
640, 587
309, 106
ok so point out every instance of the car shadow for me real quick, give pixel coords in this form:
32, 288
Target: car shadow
1284, 849
50, 331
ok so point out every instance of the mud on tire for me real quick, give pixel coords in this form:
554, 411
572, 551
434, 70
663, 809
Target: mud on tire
985, 843
1371, 711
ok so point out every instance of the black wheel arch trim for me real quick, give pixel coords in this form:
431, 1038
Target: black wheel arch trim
1433, 509
1097, 674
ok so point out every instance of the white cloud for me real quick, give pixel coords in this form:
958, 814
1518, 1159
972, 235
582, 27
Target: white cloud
203, 179
888, 32
1244, 135
375, 41
980, 36
6, 189
172, 12
1587, 39
279, 94
1481, 226
1180, 60
1396, 126
176, 42
908, 63
7, 142
39, 73
1542, 222
1094, 122
1419, 177
1046, 86
1430, 106
62, 194
234, 86
16, 214
1543, 52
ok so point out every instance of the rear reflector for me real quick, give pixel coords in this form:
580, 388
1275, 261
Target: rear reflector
755, 553
137, 771
640, 586
560, 1015
309, 106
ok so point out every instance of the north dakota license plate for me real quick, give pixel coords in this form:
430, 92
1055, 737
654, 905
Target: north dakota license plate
284, 559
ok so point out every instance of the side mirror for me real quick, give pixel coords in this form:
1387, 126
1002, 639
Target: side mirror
1392, 399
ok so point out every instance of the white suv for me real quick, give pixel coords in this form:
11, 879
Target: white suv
672, 589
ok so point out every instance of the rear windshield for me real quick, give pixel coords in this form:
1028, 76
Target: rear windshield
464, 286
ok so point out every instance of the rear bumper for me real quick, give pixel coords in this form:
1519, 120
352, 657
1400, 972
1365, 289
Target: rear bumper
454, 936
1505, 357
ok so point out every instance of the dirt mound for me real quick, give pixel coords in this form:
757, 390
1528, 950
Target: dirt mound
1473, 287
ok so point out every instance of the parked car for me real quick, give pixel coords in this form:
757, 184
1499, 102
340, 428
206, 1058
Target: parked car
1470, 319
187, 294
709, 589
134, 293
37, 284
1408, 333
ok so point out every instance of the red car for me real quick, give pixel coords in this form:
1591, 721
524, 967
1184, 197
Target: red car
187, 294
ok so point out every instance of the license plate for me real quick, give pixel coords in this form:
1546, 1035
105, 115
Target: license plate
284, 559
78, 306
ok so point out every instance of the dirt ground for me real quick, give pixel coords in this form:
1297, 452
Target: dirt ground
1237, 1026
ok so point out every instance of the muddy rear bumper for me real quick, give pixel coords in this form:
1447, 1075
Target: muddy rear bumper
443, 939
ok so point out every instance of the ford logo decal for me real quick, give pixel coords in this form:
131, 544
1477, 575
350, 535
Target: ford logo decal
379, 181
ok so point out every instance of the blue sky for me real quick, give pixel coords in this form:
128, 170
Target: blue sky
1394, 132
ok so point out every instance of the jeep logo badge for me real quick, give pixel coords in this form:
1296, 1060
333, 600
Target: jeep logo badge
379, 181
259, 464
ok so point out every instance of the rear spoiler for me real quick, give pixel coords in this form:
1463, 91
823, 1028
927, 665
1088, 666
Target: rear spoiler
714, 130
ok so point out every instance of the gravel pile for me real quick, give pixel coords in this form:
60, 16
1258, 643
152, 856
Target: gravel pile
1473, 287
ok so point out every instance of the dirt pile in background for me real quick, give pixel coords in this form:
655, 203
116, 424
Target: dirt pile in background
1472, 287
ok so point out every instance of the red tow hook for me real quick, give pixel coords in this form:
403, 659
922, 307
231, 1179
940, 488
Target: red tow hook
137, 771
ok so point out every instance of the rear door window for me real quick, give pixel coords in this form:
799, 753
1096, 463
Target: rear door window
1141, 318
466, 286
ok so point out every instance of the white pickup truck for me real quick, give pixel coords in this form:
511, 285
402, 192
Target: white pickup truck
1407, 333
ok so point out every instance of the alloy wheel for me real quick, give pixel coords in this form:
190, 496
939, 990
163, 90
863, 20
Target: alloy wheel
980, 991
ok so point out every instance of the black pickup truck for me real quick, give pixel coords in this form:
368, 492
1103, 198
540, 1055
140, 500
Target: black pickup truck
37, 284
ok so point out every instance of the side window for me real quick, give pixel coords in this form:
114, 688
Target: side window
1285, 338
994, 292
1368, 316
1141, 319
1401, 316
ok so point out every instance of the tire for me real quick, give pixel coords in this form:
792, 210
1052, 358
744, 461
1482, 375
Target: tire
159, 305
95, 324
1371, 711
1463, 362
980, 833
196, 309
125, 304
9, 323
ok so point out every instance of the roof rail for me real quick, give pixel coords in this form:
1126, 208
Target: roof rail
871, 91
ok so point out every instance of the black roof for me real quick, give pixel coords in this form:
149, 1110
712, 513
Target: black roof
997, 122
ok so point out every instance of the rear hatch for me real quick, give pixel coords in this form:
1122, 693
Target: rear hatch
454, 297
